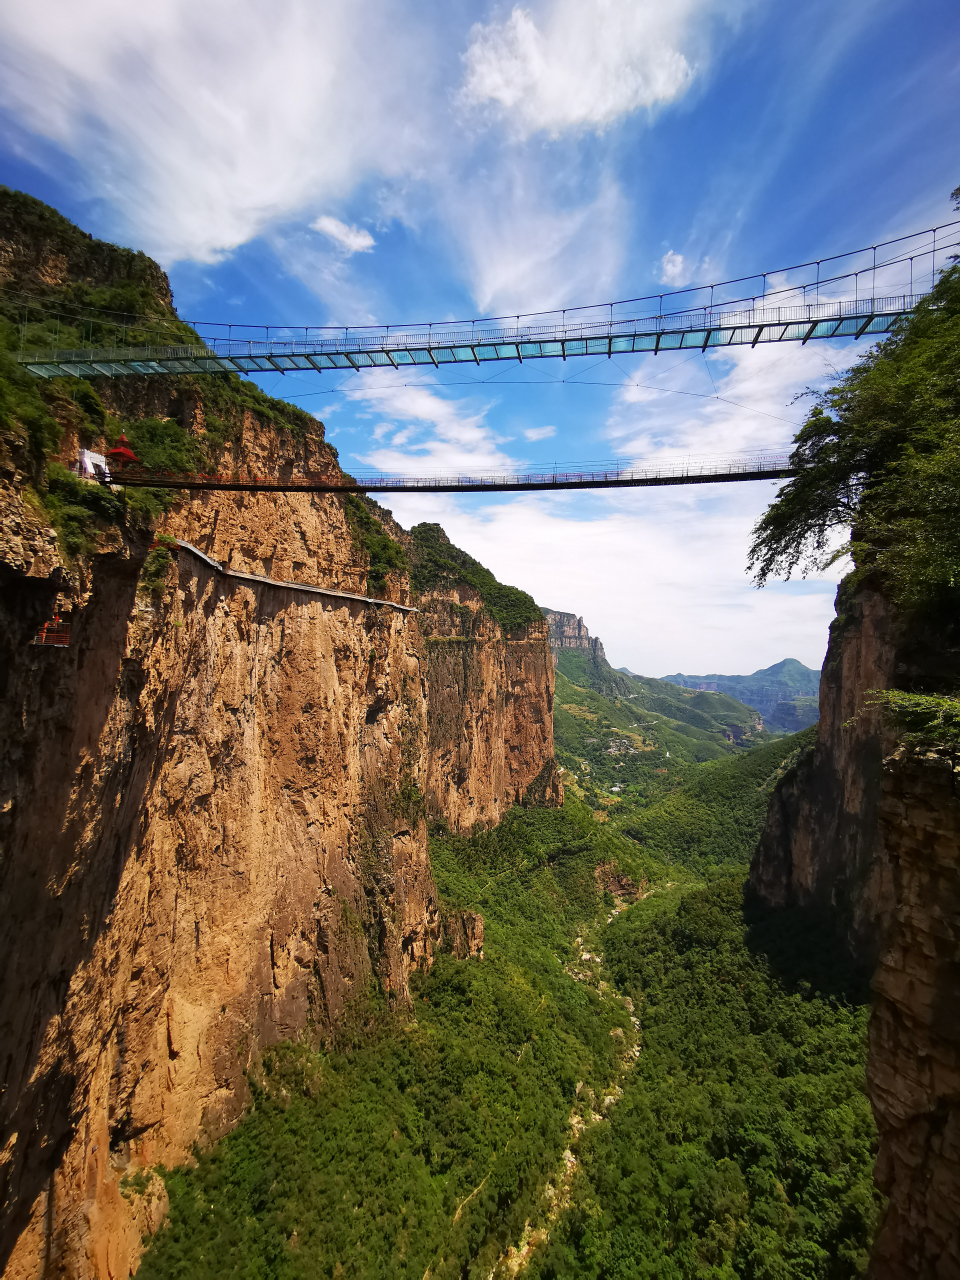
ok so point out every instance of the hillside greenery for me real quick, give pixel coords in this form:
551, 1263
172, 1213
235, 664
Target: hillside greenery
786, 694
737, 1142
687, 798
383, 554
424, 1137
701, 716
743, 1144
113, 296
435, 563
711, 823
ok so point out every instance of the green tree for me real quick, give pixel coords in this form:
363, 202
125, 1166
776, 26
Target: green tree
878, 454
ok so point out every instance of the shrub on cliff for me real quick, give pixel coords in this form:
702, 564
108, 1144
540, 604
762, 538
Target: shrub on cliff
77, 508
437, 563
384, 554
880, 452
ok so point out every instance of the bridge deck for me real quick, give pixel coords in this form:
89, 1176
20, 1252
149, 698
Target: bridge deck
776, 467
482, 342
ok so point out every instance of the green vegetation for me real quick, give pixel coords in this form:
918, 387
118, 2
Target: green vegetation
425, 1141
153, 575
923, 721
384, 554
880, 452
716, 718
689, 796
77, 510
227, 395
129, 304
711, 824
786, 694
743, 1144
436, 563
24, 408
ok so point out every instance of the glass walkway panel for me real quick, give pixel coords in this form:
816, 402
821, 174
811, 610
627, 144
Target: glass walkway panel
477, 343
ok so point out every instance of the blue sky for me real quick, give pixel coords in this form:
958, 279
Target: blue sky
313, 162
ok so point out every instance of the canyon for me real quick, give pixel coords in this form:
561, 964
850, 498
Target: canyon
216, 801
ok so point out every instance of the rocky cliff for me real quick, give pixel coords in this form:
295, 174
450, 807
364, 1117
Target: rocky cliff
214, 808
567, 631
866, 835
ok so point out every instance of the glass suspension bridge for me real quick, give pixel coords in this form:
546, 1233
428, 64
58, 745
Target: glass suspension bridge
863, 293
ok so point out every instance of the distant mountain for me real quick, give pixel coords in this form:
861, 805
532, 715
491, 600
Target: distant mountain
786, 694
692, 726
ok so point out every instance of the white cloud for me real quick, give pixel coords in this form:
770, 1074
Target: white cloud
526, 245
350, 239
659, 579
659, 574
672, 268
572, 65
454, 436
205, 124
540, 433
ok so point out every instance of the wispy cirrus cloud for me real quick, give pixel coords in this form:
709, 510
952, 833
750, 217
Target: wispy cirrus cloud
421, 431
204, 125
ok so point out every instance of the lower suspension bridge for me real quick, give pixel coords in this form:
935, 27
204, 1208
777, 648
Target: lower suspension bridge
615, 475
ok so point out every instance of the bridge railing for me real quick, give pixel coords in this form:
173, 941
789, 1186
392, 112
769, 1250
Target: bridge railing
440, 337
669, 472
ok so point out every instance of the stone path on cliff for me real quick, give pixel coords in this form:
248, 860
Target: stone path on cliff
293, 586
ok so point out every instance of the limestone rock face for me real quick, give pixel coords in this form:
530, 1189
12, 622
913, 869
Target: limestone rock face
490, 696
213, 825
867, 835
819, 848
913, 1068
567, 631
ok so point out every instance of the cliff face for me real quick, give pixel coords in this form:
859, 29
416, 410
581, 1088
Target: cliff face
567, 631
867, 835
213, 823
490, 730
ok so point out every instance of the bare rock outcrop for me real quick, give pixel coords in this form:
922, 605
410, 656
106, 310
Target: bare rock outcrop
866, 835
567, 631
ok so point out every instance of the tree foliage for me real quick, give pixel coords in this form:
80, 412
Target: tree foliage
437, 563
384, 554
743, 1145
879, 453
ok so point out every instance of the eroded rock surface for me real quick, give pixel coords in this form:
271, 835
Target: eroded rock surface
866, 835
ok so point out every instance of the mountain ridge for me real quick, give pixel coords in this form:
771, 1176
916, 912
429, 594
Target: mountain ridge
786, 694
